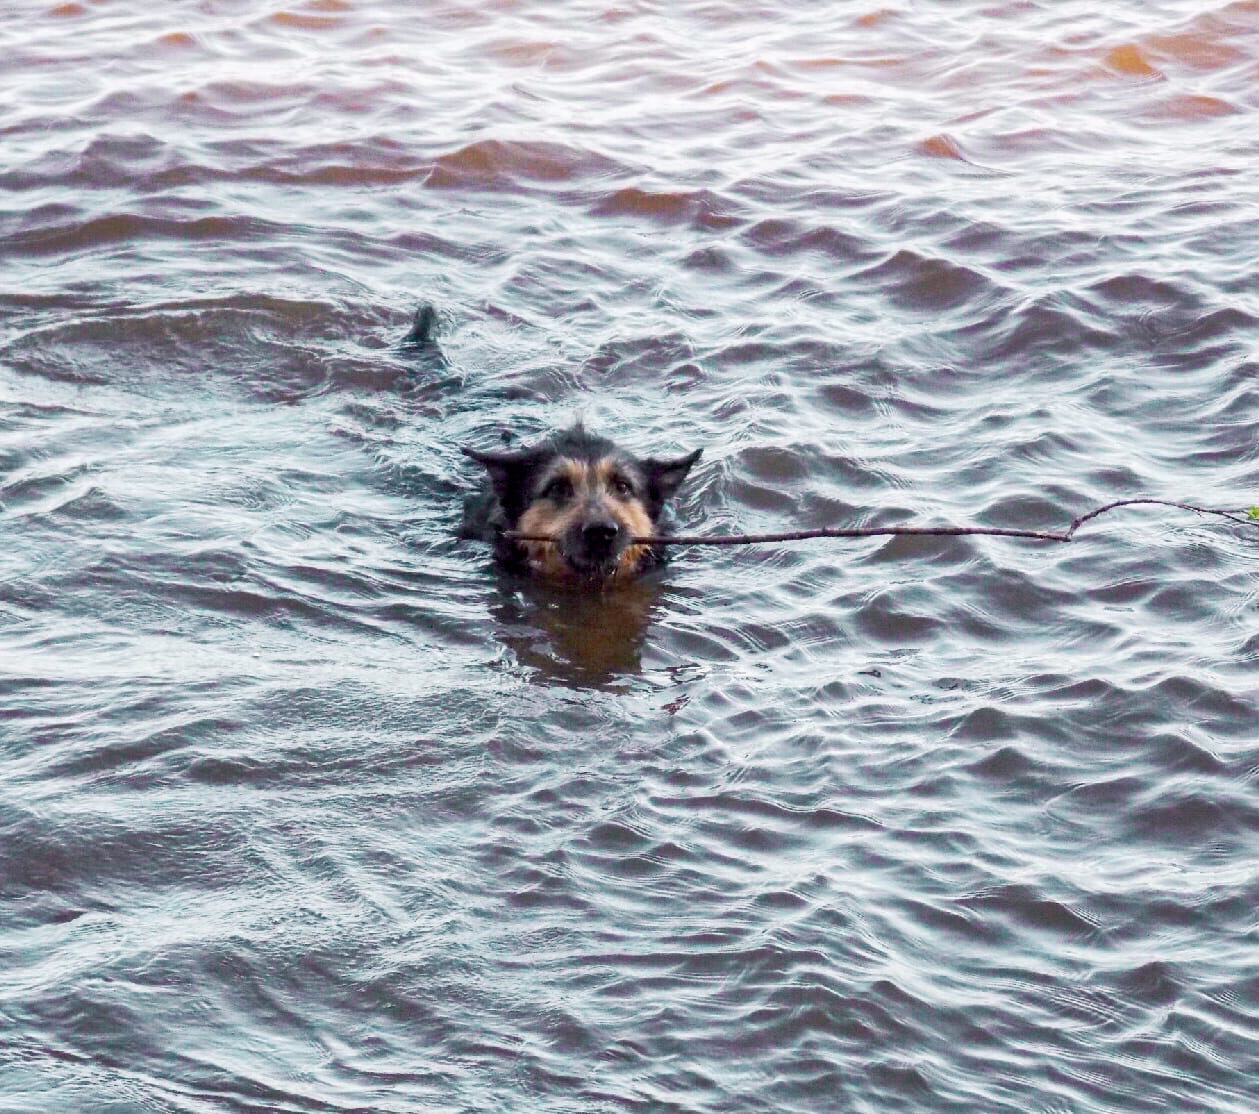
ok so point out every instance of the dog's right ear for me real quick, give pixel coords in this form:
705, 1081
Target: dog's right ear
509, 473
666, 476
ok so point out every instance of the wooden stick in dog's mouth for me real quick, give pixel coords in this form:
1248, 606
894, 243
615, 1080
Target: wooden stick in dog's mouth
1251, 518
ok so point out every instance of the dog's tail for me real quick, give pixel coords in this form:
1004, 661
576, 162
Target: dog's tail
423, 328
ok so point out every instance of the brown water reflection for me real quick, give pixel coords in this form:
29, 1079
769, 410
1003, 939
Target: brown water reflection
573, 637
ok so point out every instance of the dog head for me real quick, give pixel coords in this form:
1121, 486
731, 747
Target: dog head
588, 497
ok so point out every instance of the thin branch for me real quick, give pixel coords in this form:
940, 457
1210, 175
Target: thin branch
918, 531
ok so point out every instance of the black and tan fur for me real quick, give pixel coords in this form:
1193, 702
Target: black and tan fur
588, 496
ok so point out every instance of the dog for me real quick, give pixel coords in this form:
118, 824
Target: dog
587, 497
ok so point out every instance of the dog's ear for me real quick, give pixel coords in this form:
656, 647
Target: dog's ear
664, 477
509, 473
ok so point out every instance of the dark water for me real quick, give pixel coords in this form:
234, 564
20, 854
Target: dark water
302, 809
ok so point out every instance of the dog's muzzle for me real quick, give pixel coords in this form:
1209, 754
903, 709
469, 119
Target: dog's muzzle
594, 546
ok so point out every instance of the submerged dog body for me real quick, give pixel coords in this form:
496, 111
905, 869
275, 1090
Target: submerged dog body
588, 497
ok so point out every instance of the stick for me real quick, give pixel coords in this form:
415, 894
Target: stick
918, 531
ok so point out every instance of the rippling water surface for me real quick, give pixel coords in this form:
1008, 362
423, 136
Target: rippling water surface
302, 808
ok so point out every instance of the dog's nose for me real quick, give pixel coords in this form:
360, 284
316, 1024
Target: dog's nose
600, 535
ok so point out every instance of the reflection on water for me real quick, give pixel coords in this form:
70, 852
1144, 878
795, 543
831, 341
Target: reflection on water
573, 637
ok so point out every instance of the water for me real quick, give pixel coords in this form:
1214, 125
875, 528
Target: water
303, 809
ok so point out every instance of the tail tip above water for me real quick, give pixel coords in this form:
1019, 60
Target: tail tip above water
423, 326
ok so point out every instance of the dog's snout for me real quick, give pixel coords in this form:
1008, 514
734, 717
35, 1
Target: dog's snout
600, 534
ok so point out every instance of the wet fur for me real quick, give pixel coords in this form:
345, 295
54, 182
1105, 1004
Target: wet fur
583, 491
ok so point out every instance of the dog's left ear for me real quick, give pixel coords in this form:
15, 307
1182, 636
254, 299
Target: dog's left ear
509, 474
666, 476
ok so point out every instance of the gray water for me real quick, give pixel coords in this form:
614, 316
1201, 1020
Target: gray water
303, 808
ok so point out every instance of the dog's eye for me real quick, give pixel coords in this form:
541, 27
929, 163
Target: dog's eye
558, 490
621, 487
